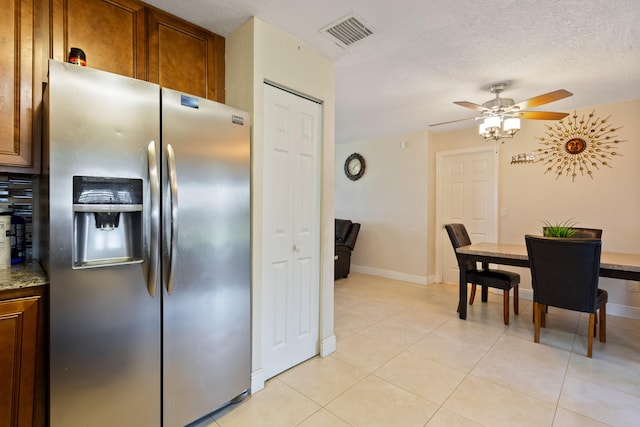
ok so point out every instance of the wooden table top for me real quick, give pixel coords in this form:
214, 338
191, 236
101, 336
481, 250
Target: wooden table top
608, 260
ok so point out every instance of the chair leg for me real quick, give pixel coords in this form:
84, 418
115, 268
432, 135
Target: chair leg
516, 304
536, 322
485, 293
603, 323
473, 293
505, 306
592, 325
533, 318
543, 315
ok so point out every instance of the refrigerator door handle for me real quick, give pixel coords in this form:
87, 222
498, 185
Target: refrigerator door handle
154, 189
173, 190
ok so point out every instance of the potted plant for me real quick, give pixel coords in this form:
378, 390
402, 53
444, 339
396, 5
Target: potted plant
558, 229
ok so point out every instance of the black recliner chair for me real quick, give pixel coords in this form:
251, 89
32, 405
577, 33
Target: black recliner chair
346, 235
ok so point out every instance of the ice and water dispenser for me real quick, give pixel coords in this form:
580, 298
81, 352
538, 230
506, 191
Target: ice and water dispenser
107, 221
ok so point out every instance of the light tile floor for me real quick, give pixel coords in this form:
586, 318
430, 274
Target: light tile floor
405, 359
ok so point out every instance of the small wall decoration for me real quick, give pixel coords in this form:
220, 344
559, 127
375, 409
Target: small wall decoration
578, 145
522, 158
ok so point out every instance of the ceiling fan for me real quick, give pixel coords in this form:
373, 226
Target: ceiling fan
506, 112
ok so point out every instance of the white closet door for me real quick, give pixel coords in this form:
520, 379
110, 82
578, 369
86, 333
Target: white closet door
291, 230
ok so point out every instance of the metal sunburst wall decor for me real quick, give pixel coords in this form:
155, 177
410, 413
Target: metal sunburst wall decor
578, 145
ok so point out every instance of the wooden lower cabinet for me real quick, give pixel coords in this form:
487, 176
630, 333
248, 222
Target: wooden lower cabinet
22, 356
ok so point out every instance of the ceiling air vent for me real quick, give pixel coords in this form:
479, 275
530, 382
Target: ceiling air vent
347, 30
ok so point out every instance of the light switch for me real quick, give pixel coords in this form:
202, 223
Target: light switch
504, 213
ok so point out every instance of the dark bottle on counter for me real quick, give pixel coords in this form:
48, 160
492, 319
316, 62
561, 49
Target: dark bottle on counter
77, 56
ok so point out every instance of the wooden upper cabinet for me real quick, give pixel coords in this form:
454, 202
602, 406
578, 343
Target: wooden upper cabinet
185, 57
18, 21
130, 38
110, 32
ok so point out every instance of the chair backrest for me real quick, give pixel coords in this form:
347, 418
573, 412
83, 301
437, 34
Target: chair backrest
586, 233
346, 232
342, 227
459, 237
582, 233
353, 236
564, 272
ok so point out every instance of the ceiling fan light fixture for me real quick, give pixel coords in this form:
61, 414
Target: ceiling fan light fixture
492, 122
505, 112
490, 127
511, 125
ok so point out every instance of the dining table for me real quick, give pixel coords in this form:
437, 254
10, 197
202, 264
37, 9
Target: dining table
612, 264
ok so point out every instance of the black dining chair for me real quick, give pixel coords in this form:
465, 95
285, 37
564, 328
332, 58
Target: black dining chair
580, 233
564, 274
485, 277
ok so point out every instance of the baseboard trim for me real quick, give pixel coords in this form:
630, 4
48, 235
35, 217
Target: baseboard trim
525, 294
623, 311
328, 346
257, 381
390, 274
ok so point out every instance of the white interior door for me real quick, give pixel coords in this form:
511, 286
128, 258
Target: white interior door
467, 193
291, 230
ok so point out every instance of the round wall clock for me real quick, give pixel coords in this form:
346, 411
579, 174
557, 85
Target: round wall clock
354, 166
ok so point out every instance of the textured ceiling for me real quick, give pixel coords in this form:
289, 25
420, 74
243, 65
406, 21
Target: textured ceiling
426, 54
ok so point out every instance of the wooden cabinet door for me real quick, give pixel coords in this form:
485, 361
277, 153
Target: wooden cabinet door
110, 32
19, 338
17, 27
185, 57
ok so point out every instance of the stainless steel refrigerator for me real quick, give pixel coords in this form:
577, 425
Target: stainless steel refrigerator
147, 247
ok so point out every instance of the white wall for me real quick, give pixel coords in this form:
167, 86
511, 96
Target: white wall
390, 203
256, 52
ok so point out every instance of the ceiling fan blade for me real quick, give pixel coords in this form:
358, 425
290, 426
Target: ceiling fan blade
542, 99
541, 115
471, 105
453, 121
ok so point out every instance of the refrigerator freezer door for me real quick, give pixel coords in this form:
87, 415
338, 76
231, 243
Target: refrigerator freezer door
206, 333
104, 325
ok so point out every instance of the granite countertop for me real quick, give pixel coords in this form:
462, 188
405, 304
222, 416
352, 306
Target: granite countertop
23, 276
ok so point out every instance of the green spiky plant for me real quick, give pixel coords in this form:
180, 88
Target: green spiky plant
558, 229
